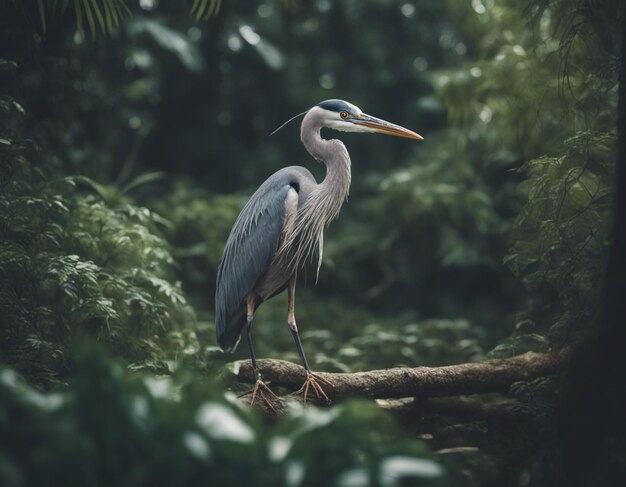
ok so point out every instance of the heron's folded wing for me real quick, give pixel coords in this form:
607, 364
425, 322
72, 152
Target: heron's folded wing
249, 249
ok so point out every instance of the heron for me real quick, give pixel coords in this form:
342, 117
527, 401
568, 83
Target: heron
281, 227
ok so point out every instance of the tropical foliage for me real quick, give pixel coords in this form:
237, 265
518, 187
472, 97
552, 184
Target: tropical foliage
126, 155
159, 431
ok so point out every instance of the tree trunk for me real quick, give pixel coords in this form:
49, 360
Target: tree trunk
593, 429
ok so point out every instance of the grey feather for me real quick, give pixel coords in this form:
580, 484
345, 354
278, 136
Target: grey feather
251, 246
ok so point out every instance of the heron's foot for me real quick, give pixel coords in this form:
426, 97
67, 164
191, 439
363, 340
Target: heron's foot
313, 382
264, 393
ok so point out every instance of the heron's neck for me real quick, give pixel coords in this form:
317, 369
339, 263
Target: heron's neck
334, 189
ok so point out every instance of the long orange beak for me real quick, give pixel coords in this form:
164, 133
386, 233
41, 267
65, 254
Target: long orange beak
384, 127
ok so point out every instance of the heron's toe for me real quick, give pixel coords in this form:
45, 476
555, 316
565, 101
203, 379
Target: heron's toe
313, 382
264, 393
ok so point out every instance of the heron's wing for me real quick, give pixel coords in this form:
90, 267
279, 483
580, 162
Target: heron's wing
248, 252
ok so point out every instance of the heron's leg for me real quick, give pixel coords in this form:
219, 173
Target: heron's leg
312, 381
291, 319
249, 319
260, 388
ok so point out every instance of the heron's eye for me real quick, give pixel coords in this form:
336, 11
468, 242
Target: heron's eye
343, 114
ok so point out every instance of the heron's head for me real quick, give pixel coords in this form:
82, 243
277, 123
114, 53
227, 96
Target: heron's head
346, 117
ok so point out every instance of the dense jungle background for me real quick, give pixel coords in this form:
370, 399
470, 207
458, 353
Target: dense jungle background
131, 135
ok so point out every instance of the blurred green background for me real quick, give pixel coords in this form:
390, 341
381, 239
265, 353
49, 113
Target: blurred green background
129, 144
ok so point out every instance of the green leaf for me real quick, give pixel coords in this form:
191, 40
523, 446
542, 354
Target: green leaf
79, 17
203, 9
98, 12
213, 9
123, 4
173, 41
200, 9
108, 17
42, 14
90, 18
143, 179
115, 14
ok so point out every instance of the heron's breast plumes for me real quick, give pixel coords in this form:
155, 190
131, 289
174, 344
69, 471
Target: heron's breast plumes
305, 235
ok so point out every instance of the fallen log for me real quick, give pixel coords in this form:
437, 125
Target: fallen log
494, 375
473, 408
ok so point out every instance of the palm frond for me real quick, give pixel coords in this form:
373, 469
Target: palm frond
42, 14
100, 16
205, 9
90, 19
104, 16
79, 17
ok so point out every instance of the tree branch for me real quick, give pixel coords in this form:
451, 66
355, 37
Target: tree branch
471, 378
464, 408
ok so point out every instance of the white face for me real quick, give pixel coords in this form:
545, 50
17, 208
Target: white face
341, 120
343, 116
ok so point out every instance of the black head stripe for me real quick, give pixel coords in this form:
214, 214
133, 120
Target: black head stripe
336, 106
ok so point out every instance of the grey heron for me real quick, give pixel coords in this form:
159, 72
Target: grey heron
281, 226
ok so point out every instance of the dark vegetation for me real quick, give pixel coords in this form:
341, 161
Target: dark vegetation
129, 141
